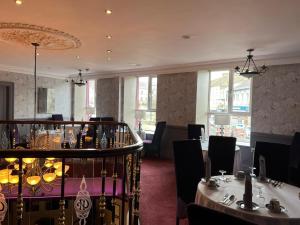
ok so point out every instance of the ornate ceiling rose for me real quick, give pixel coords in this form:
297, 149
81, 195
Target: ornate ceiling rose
46, 37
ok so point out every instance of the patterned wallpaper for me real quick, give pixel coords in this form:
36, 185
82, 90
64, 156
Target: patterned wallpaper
107, 97
24, 94
176, 98
276, 101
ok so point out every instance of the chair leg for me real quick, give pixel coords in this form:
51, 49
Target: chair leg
177, 221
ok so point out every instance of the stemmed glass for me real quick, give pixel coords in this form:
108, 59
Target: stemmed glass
252, 174
260, 196
222, 177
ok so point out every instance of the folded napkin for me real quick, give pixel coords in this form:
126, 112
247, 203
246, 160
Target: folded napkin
208, 169
262, 168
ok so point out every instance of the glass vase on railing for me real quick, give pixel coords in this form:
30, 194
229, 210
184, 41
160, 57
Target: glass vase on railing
72, 139
103, 142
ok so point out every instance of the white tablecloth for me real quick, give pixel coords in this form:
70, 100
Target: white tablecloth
287, 195
237, 156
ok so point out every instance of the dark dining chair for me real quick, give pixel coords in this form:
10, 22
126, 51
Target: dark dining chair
195, 131
199, 215
107, 118
92, 129
153, 147
276, 159
221, 151
96, 119
294, 161
189, 169
57, 117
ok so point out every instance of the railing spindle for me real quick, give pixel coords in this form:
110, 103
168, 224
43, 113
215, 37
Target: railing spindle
102, 201
61, 219
113, 200
20, 204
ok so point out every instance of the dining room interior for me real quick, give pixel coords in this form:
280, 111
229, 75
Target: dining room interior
139, 112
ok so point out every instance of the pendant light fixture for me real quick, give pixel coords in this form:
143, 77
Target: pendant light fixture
250, 69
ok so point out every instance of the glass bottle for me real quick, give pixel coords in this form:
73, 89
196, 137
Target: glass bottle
103, 142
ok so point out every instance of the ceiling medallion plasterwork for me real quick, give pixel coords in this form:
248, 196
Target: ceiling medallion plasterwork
47, 38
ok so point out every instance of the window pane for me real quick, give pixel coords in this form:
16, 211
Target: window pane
219, 85
153, 92
91, 93
148, 120
241, 94
142, 98
239, 127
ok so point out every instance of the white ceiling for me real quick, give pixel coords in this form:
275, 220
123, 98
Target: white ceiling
149, 32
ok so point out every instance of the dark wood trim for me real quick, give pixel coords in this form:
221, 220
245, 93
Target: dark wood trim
10, 87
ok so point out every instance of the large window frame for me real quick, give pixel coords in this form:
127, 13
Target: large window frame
90, 103
230, 112
150, 108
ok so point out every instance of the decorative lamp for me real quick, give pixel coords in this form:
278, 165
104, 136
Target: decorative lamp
79, 81
48, 163
13, 179
222, 120
4, 179
49, 177
58, 171
250, 69
33, 180
28, 160
10, 160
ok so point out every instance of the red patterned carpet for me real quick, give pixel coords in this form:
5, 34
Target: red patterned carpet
158, 196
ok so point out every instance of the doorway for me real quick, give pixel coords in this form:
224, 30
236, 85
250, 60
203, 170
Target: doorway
6, 101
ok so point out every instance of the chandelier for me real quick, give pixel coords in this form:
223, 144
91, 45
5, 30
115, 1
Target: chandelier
79, 81
250, 69
38, 173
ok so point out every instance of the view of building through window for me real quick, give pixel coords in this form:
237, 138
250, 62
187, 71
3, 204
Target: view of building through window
90, 99
230, 94
146, 103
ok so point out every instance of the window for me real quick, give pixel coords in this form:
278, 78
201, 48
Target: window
146, 102
230, 94
90, 99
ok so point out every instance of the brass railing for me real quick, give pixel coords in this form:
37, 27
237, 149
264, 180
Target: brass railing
42, 150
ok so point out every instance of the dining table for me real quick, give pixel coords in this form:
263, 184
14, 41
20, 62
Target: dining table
263, 192
237, 156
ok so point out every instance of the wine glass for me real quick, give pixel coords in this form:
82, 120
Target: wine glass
252, 174
222, 175
260, 196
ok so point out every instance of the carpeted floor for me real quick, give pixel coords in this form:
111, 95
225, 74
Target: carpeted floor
158, 193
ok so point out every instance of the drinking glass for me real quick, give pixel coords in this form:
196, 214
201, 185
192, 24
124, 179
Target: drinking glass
252, 174
222, 177
260, 197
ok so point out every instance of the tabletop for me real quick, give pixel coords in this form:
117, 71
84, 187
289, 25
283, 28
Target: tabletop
288, 196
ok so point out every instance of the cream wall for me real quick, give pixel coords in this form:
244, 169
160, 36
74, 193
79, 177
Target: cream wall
24, 94
107, 97
176, 98
276, 101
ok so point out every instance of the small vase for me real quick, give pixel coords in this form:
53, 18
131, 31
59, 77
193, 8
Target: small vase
103, 142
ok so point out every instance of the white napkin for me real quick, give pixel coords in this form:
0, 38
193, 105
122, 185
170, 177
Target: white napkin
262, 168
